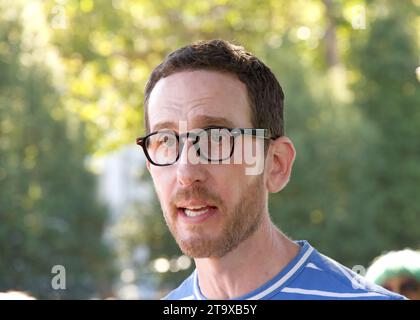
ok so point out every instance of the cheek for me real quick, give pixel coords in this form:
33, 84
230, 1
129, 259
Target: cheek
163, 183
228, 182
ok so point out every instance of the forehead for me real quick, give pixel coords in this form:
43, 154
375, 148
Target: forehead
201, 98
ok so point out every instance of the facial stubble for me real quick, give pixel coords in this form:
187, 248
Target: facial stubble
239, 223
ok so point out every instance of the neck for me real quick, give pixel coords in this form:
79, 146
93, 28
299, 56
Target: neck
255, 261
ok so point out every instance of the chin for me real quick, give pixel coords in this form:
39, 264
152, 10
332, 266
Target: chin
199, 248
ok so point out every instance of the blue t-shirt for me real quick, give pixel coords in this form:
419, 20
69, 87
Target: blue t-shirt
310, 275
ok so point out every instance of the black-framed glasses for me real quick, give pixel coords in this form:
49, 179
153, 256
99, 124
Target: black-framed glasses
213, 144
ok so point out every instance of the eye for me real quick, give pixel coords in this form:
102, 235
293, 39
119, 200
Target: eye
216, 136
166, 140
163, 139
220, 136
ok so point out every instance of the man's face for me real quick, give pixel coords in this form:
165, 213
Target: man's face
209, 208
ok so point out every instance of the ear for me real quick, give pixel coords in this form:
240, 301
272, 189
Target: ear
280, 157
148, 165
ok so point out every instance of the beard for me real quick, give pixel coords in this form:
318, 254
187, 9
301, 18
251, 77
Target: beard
239, 223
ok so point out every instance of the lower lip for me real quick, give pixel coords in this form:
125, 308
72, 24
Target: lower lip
198, 219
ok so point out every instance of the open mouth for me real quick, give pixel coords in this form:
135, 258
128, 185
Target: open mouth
197, 213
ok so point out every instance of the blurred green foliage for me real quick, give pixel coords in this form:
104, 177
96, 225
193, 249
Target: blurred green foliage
48, 214
72, 75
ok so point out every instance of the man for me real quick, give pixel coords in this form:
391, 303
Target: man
209, 107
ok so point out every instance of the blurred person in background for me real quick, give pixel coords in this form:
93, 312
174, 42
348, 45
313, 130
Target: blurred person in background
397, 271
15, 295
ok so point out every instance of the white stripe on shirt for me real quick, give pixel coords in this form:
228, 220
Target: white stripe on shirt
286, 277
195, 285
330, 294
269, 290
357, 281
313, 266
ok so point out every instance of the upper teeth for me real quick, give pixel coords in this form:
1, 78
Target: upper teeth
195, 211
195, 207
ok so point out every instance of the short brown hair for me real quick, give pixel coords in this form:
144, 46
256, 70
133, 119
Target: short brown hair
264, 91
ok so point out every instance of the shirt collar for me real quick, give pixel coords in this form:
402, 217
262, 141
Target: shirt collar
275, 283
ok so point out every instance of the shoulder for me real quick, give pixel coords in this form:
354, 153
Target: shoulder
184, 292
324, 278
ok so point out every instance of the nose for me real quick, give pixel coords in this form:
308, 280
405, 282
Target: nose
189, 169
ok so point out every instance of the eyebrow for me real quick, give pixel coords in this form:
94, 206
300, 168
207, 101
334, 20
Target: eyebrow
203, 121
164, 125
